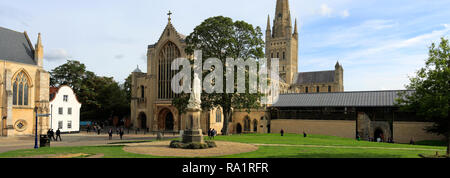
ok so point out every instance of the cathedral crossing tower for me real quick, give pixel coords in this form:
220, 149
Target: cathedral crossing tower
282, 41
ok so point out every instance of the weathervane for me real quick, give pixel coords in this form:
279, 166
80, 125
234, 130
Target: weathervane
169, 14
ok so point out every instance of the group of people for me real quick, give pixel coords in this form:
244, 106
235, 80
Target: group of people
96, 128
51, 135
119, 132
212, 133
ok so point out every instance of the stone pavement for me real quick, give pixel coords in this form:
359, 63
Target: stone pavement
81, 139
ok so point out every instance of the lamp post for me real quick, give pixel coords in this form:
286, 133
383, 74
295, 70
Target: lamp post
36, 129
36, 135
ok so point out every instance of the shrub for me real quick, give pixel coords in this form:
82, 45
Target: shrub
176, 144
195, 146
211, 144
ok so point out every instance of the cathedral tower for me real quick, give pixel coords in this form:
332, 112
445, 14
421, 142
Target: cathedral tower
282, 42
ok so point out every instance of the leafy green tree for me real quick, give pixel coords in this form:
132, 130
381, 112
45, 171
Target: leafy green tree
432, 90
72, 73
220, 37
101, 97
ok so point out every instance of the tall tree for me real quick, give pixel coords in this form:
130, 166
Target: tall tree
220, 37
101, 97
432, 90
72, 73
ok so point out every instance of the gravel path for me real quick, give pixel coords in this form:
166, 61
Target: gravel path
162, 149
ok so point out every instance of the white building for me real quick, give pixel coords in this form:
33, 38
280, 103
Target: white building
65, 110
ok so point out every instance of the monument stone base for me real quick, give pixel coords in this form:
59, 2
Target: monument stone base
193, 136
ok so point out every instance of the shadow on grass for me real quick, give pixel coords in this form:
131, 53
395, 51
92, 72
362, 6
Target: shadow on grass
432, 143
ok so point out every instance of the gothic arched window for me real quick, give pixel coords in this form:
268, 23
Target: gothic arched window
247, 124
167, 54
218, 115
20, 90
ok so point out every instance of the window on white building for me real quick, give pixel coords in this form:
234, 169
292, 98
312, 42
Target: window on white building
65, 98
69, 111
69, 124
60, 111
60, 124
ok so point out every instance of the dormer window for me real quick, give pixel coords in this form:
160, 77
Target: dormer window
65, 98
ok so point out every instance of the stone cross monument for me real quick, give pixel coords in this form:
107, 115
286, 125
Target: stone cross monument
193, 133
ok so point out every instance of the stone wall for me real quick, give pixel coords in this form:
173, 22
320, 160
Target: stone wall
404, 131
345, 129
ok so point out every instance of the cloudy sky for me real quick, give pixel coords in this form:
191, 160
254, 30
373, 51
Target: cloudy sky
379, 42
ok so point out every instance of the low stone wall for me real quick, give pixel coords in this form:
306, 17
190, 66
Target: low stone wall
404, 131
345, 129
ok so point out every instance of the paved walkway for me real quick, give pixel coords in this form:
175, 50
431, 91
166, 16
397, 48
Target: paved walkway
83, 139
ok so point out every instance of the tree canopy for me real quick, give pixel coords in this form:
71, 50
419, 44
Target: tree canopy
101, 97
432, 90
220, 37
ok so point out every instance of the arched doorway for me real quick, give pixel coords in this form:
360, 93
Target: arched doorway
166, 120
379, 134
238, 128
169, 122
142, 121
255, 125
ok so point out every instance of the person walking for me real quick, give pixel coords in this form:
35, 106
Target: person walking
282, 132
304, 134
98, 130
58, 135
49, 135
52, 134
213, 133
110, 133
121, 133
209, 133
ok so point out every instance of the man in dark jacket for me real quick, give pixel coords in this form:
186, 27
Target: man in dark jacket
58, 135
52, 134
121, 133
49, 134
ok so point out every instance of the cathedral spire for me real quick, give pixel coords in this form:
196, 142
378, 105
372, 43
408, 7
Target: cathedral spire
282, 20
295, 27
268, 23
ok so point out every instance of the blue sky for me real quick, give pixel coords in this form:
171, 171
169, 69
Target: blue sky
379, 42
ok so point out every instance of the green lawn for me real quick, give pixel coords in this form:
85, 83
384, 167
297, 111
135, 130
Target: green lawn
290, 146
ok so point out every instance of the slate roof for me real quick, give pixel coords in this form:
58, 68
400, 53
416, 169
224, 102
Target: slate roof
315, 77
343, 99
14, 46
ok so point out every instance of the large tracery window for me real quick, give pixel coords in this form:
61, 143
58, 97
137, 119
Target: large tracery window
20, 90
167, 54
218, 115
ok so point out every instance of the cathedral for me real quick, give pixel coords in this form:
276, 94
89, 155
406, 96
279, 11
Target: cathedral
24, 84
151, 106
311, 102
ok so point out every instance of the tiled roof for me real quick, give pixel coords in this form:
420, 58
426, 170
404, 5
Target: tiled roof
14, 46
315, 77
343, 99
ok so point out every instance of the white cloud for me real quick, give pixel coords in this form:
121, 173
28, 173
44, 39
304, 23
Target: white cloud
56, 54
345, 14
325, 10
